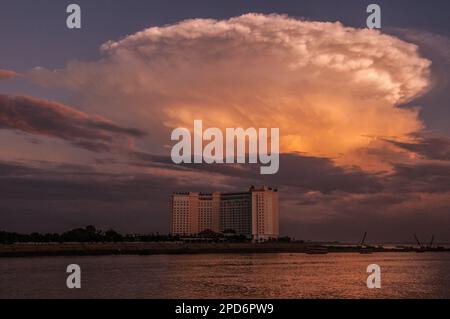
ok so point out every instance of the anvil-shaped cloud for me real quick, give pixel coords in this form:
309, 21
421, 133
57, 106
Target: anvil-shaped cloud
332, 90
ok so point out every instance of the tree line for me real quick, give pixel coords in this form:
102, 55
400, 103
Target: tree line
87, 234
92, 234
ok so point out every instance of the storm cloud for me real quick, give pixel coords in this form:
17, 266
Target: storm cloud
331, 89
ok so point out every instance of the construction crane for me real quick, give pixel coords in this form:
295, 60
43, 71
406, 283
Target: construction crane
363, 239
431, 242
421, 248
364, 249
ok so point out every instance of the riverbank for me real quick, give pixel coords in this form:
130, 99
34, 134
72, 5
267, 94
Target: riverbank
143, 248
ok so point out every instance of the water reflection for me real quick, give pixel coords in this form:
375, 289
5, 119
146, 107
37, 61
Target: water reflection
404, 275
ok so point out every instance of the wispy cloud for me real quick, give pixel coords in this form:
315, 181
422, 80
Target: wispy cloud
55, 120
7, 74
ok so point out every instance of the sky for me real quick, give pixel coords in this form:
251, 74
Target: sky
86, 115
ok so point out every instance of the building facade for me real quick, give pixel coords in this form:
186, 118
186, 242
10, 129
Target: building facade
253, 213
264, 214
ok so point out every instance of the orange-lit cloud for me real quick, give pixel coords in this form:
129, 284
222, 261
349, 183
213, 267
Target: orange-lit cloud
7, 74
333, 91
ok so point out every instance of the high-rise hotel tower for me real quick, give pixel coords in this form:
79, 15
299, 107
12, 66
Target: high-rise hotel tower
253, 213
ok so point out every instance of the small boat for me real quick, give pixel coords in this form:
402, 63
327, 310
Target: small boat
366, 250
420, 250
319, 250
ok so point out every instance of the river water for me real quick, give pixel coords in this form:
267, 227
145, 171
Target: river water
342, 275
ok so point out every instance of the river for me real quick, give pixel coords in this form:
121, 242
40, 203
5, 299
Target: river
340, 275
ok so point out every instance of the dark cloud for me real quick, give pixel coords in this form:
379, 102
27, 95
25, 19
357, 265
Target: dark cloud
84, 191
41, 196
317, 199
386, 217
413, 198
437, 148
51, 119
305, 173
60, 197
422, 177
14, 169
320, 174
47, 181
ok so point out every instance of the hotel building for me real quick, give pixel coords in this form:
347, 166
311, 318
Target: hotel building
253, 213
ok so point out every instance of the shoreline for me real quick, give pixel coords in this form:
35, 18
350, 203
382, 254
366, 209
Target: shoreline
176, 248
